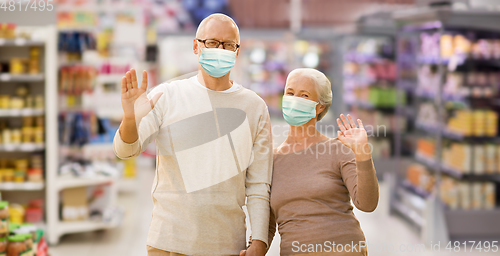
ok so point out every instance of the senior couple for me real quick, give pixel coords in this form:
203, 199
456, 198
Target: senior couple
214, 156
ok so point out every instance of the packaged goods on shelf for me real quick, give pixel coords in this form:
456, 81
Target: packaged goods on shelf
427, 116
418, 176
428, 81
459, 157
379, 124
479, 122
21, 170
18, 237
467, 195
448, 45
71, 45
22, 99
7, 30
426, 148
471, 84
29, 133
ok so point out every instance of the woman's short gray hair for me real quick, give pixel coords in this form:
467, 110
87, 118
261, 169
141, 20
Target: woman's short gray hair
323, 86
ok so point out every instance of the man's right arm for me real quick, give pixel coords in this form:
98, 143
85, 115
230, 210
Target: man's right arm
140, 122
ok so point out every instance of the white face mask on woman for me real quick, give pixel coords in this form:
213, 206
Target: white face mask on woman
298, 111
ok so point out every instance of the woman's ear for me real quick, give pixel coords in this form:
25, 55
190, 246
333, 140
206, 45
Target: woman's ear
319, 109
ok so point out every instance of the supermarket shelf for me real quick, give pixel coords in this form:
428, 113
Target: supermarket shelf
109, 78
71, 182
424, 94
21, 112
68, 227
20, 42
408, 213
21, 186
368, 105
460, 137
432, 60
470, 223
469, 176
407, 84
433, 129
415, 190
23, 147
433, 166
364, 58
5, 77
430, 163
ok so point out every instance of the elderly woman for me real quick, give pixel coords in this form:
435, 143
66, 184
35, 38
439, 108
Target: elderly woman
315, 177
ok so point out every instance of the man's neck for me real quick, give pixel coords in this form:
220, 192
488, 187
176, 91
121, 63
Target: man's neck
214, 83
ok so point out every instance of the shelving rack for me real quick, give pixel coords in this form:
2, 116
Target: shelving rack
45, 83
425, 210
378, 26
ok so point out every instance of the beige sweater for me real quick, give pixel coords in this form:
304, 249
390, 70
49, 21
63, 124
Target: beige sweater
213, 151
310, 197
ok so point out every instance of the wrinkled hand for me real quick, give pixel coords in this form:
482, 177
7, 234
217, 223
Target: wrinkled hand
135, 102
352, 136
257, 248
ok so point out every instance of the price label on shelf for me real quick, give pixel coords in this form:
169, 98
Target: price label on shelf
20, 41
2, 41
4, 77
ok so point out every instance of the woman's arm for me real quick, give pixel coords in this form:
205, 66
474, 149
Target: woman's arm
360, 178
356, 166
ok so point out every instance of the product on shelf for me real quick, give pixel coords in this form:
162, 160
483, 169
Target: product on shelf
22, 99
18, 238
467, 195
426, 148
4, 216
418, 176
30, 132
458, 156
427, 116
448, 45
7, 30
31, 65
472, 84
480, 123
21, 170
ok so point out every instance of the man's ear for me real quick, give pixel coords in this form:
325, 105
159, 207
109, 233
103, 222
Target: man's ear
195, 47
238, 51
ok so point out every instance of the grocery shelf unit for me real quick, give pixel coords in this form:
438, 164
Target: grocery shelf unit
42, 84
435, 219
367, 76
82, 103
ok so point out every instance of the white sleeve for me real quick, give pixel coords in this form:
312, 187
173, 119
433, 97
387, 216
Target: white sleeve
258, 181
148, 129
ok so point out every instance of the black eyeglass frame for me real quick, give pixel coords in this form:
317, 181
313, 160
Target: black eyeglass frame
218, 43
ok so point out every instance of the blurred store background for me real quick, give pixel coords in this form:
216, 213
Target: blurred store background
423, 75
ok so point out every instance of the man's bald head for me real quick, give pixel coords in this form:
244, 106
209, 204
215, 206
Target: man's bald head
217, 20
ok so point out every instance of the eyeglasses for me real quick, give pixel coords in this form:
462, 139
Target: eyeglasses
211, 43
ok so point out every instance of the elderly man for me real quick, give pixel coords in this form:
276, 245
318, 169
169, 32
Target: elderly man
214, 151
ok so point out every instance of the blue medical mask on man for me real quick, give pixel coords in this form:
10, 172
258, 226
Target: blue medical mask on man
217, 62
298, 111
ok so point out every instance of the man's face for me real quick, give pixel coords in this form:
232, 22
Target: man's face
223, 31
